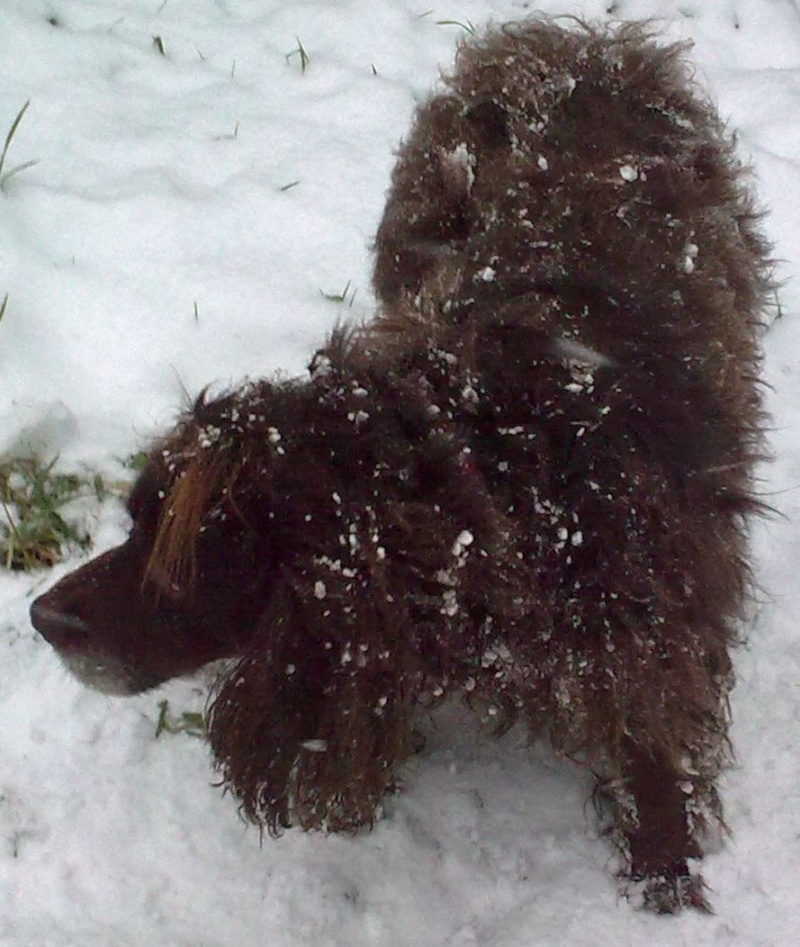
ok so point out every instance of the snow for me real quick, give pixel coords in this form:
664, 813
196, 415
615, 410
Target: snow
187, 218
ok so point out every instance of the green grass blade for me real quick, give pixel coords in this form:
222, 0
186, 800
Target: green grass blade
11, 132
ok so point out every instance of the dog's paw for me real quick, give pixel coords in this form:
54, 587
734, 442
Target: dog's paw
667, 892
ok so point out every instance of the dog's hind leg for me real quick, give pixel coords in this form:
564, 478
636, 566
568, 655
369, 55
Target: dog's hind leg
658, 837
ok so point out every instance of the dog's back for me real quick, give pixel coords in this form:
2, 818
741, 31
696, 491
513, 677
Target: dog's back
582, 165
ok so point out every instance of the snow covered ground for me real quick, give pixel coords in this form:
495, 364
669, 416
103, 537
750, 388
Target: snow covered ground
187, 213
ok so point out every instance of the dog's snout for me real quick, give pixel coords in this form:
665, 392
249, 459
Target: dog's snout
61, 628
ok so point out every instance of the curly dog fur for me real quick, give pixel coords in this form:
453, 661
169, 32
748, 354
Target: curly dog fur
526, 481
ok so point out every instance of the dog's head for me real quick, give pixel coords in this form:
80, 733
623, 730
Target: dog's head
188, 585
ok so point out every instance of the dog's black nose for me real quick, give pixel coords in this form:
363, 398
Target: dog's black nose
60, 628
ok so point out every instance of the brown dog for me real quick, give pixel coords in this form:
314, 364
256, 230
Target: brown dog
526, 481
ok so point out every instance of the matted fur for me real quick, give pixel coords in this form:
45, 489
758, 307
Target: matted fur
526, 481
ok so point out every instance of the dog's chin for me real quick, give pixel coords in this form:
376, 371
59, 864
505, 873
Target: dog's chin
108, 675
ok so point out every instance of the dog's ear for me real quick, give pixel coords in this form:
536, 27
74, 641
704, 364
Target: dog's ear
308, 724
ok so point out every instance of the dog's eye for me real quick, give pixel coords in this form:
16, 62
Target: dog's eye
140, 536
147, 495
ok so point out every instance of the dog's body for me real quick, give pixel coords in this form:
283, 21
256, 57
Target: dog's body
527, 480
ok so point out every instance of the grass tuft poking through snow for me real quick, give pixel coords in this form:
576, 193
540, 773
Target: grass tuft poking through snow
36, 528
5, 176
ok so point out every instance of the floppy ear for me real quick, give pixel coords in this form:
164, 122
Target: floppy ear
308, 724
